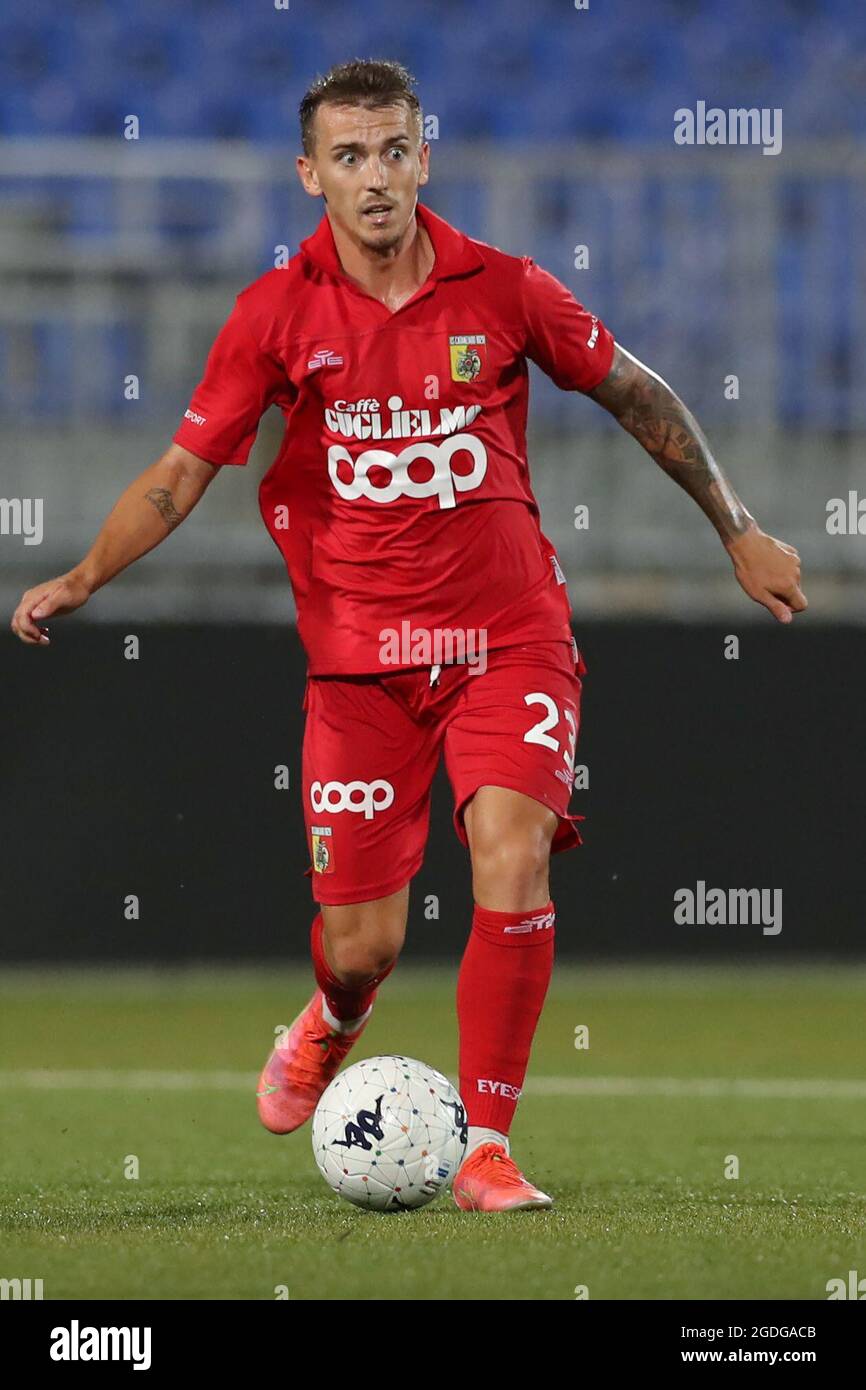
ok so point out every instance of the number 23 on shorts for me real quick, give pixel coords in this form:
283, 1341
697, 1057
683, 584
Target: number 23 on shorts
553, 718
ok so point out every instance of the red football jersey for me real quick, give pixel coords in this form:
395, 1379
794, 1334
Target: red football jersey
401, 499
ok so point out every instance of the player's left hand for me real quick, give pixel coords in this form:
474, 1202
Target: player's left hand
769, 571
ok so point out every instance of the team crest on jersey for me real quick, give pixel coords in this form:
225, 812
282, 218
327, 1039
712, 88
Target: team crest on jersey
467, 352
323, 850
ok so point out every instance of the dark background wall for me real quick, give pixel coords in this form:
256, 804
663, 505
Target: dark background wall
156, 777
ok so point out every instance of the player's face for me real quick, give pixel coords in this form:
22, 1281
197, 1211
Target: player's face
368, 165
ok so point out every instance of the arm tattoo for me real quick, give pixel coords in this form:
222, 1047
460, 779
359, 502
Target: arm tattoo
649, 410
164, 503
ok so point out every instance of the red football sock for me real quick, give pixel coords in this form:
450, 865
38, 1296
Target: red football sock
504, 975
344, 1001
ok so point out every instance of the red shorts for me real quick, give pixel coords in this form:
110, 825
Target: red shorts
372, 745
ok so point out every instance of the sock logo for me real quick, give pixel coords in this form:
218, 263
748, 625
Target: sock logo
499, 1088
542, 922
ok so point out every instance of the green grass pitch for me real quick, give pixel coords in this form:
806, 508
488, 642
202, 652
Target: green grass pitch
685, 1067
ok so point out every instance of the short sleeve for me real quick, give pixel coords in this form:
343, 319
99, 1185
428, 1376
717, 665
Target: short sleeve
240, 382
571, 345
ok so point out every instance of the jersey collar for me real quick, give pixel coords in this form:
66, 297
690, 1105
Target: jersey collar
455, 253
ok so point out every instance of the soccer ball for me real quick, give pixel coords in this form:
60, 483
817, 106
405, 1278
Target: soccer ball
389, 1133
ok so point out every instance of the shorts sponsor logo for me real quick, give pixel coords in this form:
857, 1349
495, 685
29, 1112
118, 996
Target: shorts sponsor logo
498, 1088
360, 797
431, 458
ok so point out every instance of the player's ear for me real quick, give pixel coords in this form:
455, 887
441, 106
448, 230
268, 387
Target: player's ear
424, 159
308, 176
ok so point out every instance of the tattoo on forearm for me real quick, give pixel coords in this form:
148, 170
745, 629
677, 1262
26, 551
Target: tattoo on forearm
649, 410
164, 503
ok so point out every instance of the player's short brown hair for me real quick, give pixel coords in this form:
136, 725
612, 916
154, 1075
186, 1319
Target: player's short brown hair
362, 82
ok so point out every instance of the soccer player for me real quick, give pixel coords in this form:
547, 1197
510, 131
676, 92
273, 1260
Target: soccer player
432, 609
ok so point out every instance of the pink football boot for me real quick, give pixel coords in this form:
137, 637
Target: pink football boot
297, 1072
488, 1180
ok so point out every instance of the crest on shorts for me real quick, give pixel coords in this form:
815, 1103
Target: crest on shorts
323, 850
467, 352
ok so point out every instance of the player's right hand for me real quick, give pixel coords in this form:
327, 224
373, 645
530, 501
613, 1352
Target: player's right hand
49, 600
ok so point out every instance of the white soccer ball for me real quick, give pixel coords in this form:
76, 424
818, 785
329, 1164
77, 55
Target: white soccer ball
389, 1133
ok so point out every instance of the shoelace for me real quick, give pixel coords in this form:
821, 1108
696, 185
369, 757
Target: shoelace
308, 1064
510, 1174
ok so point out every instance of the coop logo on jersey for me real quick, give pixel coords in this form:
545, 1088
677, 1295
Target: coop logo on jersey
351, 476
323, 850
467, 352
360, 797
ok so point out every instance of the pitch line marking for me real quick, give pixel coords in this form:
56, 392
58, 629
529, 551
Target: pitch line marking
745, 1088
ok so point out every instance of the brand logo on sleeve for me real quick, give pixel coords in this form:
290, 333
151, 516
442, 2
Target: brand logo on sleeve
196, 419
593, 337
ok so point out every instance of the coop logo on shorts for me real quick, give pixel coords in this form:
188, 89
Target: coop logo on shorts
366, 797
433, 458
